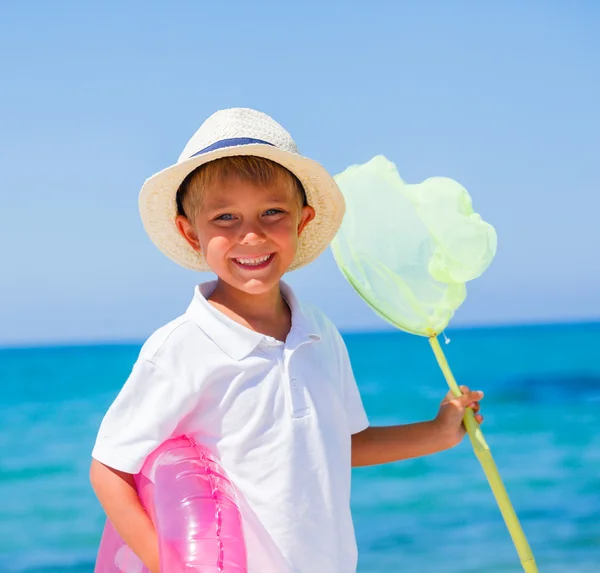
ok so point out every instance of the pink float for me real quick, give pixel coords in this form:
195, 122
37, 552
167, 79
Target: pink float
193, 507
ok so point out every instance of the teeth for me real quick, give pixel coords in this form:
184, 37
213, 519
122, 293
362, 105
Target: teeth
253, 262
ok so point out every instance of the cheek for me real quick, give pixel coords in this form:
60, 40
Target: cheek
218, 244
214, 244
286, 230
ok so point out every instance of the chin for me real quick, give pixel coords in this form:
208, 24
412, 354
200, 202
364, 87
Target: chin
257, 286
250, 285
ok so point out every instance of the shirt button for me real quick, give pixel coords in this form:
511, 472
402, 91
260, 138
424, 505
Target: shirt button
294, 384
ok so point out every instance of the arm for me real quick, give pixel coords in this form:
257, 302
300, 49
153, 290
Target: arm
118, 496
380, 445
143, 415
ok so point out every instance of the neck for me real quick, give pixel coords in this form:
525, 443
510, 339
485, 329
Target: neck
266, 312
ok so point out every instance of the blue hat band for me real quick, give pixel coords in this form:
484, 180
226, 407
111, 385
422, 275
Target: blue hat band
231, 142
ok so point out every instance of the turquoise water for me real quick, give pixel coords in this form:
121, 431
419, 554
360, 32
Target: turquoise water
431, 515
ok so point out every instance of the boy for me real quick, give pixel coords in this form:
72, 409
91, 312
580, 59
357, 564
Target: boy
262, 381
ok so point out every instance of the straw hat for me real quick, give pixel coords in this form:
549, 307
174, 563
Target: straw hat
240, 131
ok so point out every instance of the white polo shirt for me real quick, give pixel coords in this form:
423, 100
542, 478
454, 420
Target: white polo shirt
279, 416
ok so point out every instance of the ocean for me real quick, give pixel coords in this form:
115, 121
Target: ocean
428, 515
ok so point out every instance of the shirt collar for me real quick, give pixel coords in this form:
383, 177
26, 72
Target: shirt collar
239, 341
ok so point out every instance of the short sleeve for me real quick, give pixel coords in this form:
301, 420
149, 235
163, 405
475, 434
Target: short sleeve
357, 417
144, 414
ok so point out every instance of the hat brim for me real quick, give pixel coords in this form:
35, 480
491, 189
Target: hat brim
158, 206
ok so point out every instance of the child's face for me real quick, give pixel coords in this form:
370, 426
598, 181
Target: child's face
247, 233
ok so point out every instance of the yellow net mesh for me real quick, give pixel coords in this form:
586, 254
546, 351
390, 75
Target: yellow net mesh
409, 249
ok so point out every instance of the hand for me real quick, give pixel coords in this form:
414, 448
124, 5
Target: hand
452, 410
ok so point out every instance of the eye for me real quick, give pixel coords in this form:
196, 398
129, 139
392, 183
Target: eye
273, 211
224, 217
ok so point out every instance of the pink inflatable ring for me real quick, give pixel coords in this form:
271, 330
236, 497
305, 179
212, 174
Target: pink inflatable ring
193, 507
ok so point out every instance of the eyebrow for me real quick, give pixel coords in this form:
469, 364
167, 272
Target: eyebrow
225, 205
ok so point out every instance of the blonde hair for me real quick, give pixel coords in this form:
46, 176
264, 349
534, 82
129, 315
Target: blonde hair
249, 168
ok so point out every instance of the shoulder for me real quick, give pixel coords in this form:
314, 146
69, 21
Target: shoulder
323, 324
162, 338
178, 338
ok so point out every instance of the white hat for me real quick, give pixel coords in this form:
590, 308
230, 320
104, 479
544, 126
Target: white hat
240, 131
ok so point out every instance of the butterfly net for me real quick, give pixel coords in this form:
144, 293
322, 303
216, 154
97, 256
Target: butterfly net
408, 250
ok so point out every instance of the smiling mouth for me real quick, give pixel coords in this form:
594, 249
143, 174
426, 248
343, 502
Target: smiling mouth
254, 263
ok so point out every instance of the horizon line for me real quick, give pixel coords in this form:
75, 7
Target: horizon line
85, 343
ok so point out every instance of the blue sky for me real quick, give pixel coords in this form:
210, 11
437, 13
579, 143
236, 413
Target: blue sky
499, 95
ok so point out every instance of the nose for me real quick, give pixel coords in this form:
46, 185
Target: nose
252, 234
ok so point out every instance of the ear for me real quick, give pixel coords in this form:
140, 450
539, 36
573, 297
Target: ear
188, 232
307, 215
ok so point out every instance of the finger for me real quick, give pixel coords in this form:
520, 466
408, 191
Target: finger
471, 397
475, 407
449, 397
479, 418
